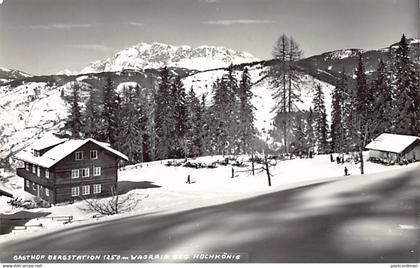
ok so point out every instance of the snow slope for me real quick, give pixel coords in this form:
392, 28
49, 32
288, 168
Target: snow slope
32, 109
28, 111
157, 55
162, 188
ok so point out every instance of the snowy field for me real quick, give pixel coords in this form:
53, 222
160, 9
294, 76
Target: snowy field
163, 188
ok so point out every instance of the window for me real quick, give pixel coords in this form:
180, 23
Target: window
74, 191
79, 155
85, 189
47, 192
85, 172
74, 173
27, 183
47, 173
93, 154
33, 169
38, 171
33, 186
96, 188
27, 166
96, 171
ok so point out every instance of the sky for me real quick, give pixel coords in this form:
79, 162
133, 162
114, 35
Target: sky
47, 36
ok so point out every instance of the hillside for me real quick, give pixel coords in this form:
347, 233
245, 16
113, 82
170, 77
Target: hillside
33, 105
346, 59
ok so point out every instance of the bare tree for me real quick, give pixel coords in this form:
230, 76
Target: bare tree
265, 167
111, 206
252, 163
364, 132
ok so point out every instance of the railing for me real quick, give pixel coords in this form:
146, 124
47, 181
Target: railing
25, 227
61, 218
64, 219
54, 218
21, 172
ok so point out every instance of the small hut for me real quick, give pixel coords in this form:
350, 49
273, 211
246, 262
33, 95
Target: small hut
392, 148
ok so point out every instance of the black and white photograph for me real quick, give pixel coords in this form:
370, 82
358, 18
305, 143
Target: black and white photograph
209, 131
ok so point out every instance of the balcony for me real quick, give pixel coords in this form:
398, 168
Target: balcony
21, 172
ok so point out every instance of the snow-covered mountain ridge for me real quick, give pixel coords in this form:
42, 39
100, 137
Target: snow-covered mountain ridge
157, 55
7, 75
346, 59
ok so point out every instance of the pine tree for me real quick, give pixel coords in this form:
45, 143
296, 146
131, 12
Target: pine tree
194, 138
309, 131
179, 112
383, 107
149, 133
74, 121
363, 99
285, 81
218, 119
224, 124
91, 117
164, 116
232, 109
363, 119
206, 127
110, 110
294, 81
320, 118
407, 92
346, 97
299, 144
337, 130
279, 82
246, 111
130, 138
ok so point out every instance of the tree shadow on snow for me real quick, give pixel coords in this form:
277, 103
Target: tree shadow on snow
8, 221
126, 186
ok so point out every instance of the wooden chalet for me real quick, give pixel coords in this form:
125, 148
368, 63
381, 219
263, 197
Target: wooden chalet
59, 170
393, 148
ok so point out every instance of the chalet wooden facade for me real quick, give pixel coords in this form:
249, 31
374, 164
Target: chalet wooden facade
61, 170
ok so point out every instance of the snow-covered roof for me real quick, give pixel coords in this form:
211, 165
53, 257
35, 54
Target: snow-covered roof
391, 143
59, 152
46, 141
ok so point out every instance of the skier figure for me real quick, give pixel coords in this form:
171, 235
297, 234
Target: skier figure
331, 158
346, 171
337, 159
189, 179
233, 173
